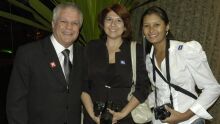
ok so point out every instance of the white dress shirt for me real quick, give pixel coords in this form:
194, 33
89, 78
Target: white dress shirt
59, 48
188, 68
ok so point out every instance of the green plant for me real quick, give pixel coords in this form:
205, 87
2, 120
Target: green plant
42, 15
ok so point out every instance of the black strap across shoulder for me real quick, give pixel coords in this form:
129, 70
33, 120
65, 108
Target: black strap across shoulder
167, 71
177, 88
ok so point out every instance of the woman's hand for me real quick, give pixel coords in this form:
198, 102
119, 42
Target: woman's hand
116, 116
177, 117
125, 111
96, 119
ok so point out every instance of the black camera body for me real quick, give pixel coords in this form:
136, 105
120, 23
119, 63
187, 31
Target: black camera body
98, 107
106, 116
101, 108
161, 113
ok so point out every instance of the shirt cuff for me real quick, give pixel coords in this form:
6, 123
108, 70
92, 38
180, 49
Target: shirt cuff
200, 111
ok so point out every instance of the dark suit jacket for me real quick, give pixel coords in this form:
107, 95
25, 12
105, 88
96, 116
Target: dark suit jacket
37, 93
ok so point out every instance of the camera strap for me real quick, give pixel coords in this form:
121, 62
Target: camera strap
167, 71
177, 88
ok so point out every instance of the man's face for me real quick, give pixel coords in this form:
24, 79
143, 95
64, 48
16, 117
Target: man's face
66, 26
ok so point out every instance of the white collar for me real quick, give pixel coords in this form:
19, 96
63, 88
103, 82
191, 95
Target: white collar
59, 48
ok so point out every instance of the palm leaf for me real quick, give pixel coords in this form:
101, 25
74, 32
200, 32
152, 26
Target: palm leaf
22, 20
43, 10
20, 5
30, 10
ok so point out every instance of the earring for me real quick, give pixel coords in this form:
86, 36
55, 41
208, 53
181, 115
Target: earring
166, 33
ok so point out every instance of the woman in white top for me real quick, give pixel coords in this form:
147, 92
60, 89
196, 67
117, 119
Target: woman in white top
181, 64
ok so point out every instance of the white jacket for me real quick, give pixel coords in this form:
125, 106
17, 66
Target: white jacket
188, 68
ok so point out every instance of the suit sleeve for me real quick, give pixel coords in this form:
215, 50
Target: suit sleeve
16, 106
142, 87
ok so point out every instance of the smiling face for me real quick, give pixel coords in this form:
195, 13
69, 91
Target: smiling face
66, 26
113, 25
154, 28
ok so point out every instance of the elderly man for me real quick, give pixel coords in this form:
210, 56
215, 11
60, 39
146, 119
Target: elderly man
45, 84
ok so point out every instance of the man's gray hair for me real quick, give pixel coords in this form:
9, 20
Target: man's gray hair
61, 6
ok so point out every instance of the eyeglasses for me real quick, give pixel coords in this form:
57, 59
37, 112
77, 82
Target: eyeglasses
117, 21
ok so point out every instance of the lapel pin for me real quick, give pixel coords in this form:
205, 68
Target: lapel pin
122, 62
180, 47
52, 65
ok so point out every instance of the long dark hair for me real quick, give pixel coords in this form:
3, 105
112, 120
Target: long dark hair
163, 15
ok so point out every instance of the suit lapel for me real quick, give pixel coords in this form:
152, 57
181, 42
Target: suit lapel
52, 60
77, 60
74, 62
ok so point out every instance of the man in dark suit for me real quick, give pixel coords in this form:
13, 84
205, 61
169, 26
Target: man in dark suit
45, 85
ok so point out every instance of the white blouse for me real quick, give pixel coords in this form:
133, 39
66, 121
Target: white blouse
188, 68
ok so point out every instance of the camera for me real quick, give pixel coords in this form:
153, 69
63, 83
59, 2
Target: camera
98, 107
161, 113
106, 116
102, 108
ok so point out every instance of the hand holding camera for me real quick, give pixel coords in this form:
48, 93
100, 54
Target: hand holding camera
102, 109
108, 112
106, 116
96, 119
161, 113
176, 116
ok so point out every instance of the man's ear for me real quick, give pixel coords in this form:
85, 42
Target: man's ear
52, 24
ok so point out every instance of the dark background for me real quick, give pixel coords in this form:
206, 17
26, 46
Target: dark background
12, 35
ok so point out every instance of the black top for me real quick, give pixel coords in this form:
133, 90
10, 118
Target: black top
110, 75
113, 82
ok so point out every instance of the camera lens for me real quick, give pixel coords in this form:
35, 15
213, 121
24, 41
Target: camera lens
106, 116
